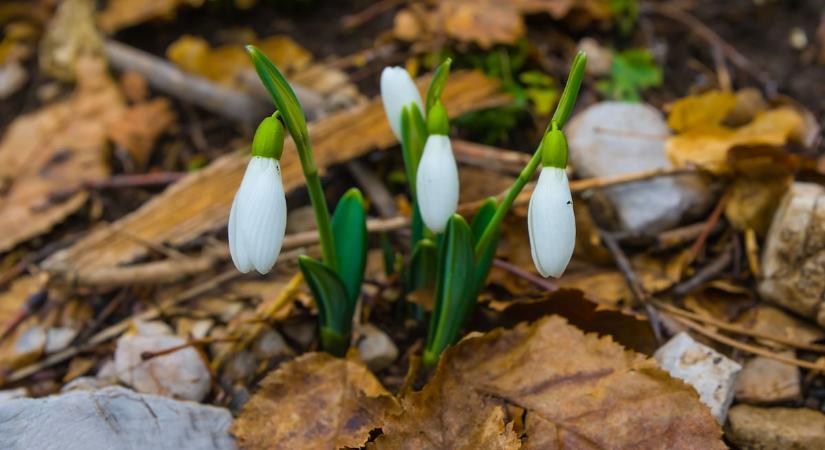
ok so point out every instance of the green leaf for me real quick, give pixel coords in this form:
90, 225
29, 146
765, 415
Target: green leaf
334, 307
282, 94
632, 71
454, 281
571, 90
413, 137
437, 83
349, 230
422, 265
483, 263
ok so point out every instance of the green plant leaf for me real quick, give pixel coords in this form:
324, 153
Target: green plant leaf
454, 282
413, 137
437, 83
632, 71
422, 265
571, 90
483, 263
349, 229
334, 307
282, 94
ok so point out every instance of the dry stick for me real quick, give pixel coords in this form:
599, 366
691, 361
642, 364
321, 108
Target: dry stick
355, 20
139, 180
709, 225
749, 348
707, 273
374, 188
488, 157
704, 32
738, 329
640, 294
548, 286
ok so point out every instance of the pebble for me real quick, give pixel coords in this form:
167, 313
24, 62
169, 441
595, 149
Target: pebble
764, 380
752, 427
377, 350
712, 374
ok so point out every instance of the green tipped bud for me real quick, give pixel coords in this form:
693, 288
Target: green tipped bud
437, 120
269, 139
554, 148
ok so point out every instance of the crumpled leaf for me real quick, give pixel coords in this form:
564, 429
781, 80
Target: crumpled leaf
70, 36
45, 155
578, 391
315, 401
120, 14
139, 127
709, 147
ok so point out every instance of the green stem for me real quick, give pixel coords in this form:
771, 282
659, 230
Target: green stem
501, 211
319, 204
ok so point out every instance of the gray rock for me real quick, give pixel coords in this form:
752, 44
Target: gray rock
751, 427
377, 350
616, 138
794, 258
712, 374
113, 418
764, 380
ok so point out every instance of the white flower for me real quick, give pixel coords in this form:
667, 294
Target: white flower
397, 91
551, 223
437, 183
257, 220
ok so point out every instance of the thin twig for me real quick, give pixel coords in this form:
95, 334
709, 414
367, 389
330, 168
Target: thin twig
355, 20
374, 188
488, 157
709, 225
548, 286
706, 273
749, 348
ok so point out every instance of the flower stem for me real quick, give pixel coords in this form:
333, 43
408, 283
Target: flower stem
319, 204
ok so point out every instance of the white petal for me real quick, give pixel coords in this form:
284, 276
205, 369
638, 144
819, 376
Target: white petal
239, 256
397, 91
260, 216
437, 183
551, 223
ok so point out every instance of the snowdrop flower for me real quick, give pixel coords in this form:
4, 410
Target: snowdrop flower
437, 177
257, 220
397, 92
550, 219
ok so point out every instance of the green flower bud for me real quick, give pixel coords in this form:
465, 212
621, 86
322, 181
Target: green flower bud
269, 139
437, 120
554, 148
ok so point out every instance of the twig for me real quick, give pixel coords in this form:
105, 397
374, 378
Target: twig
487, 157
355, 20
679, 236
753, 349
710, 36
140, 180
548, 286
192, 342
738, 329
640, 294
707, 273
709, 225
374, 187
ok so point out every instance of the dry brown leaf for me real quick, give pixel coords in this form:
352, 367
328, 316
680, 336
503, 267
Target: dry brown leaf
700, 112
315, 401
47, 154
709, 147
70, 36
138, 129
120, 14
753, 201
484, 22
581, 391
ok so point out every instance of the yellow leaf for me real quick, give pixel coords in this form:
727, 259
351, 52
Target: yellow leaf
700, 112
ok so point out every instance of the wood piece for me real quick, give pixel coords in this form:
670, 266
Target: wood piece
488, 157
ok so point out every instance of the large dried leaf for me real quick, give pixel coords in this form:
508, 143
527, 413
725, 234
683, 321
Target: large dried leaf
578, 391
139, 128
703, 111
47, 154
316, 401
200, 202
120, 14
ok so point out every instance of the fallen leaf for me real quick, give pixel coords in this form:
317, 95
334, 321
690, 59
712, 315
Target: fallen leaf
315, 401
773, 321
119, 14
483, 22
140, 126
579, 391
45, 155
71, 35
702, 111
753, 201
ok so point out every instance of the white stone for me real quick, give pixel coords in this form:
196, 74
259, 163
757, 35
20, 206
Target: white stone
712, 374
617, 138
112, 418
58, 338
180, 374
11, 394
377, 350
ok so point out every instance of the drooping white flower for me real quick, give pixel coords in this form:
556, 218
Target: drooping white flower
397, 91
437, 183
551, 222
257, 220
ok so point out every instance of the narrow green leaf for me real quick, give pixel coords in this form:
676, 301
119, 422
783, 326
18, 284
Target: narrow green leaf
454, 281
485, 259
413, 137
437, 83
571, 90
349, 229
282, 94
334, 308
422, 265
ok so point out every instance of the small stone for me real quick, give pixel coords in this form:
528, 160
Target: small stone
153, 328
112, 418
270, 344
617, 138
58, 338
180, 374
772, 321
377, 350
764, 380
794, 258
84, 384
303, 332
239, 366
752, 427
107, 370
712, 374
12, 77
599, 58
11, 394
33, 340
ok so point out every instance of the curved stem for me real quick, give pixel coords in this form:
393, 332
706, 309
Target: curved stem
319, 204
